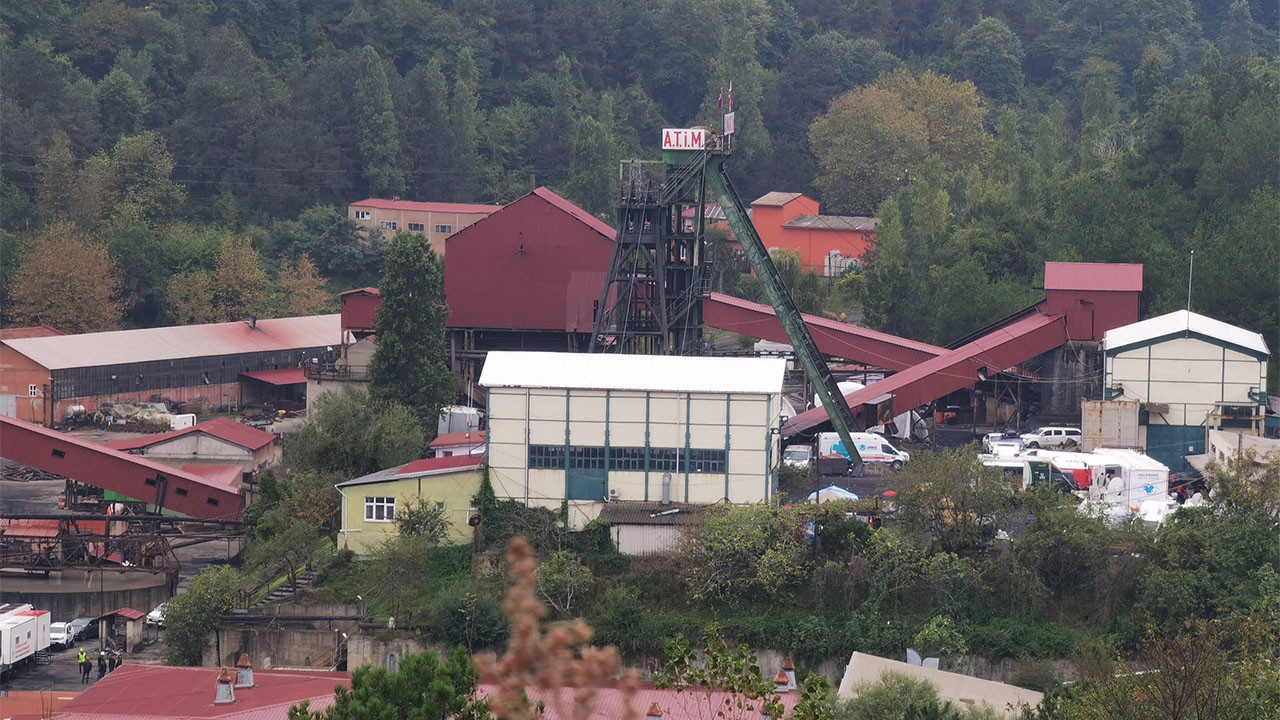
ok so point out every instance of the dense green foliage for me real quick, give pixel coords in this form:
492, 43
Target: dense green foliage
1104, 131
191, 616
350, 434
424, 687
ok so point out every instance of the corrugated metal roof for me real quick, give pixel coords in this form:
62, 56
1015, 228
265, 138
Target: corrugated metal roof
127, 613
236, 433
651, 513
19, 703
1093, 276
1180, 321
29, 528
365, 290
840, 223
832, 336
587, 218
18, 333
228, 475
473, 438
776, 199
418, 468
155, 692
282, 376
415, 206
657, 373
183, 341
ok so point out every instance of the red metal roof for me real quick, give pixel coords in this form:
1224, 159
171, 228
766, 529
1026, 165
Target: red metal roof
587, 218
1021, 340
127, 613
832, 337
435, 465
365, 290
473, 438
283, 376
20, 703
225, 429
18, 333
415, 206
1118, 277
103, 467
184, 341
611, 704
228, 475
160, 692
29, 528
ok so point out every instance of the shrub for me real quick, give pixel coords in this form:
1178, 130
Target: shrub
1038, 675
465, 615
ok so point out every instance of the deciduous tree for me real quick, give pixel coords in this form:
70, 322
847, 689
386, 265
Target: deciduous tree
300, 290
563, 581
950, 498
191, 615
348, 433
240, 286
423, 687
67, 281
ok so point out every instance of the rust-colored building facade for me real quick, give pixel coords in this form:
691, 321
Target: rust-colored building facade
828, 244
437, 220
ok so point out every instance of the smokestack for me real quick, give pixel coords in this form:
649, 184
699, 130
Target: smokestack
789, 668
225, 693
666, 488
654, 713
244, 672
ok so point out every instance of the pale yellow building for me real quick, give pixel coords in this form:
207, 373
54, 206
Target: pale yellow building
596, 428
1187, 373
437, 220
370, 503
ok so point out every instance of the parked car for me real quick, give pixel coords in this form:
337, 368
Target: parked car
1052, 437
83, 628
156, 617
1004, 438
60, 636
797, 456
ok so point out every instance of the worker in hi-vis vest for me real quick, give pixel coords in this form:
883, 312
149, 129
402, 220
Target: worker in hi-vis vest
84, 667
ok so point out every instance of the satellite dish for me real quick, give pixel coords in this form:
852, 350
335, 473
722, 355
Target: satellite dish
474, 520
913, 657
931, 663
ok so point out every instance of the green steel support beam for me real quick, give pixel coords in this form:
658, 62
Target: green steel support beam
802, 343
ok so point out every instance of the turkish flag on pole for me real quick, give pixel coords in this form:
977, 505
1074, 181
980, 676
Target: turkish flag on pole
720, 101
730, 95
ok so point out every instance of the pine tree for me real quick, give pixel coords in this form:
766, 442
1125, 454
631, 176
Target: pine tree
377, 132
409, 366
428, 132
464, 110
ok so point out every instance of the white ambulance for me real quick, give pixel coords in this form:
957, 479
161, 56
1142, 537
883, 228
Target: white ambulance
872, 448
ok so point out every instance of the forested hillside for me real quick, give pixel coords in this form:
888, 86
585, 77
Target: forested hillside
989, 135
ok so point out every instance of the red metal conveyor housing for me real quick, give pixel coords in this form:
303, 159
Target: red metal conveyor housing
93, 464
1004, 347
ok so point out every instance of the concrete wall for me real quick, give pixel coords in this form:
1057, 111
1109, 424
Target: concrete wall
1071, 373
69, 594
738, 424
275, 647
208, 397
316, 388
455, 490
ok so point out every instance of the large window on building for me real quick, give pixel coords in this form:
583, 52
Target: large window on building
363, 214
586, 457
546, 457
444, 228
380, 509
626, 458
706, 461
416, 227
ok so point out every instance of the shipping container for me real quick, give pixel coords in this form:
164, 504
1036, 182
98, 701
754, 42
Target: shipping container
1109, 423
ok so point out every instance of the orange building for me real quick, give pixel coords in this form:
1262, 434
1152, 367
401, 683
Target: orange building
828, 244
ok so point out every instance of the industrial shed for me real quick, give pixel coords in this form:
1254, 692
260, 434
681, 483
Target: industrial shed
590, 429
1188, 372
220, 441
200, 364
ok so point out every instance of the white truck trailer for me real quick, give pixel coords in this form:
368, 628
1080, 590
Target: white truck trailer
24, 632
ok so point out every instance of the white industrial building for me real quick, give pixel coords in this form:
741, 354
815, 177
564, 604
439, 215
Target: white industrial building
1188, 373
590, 429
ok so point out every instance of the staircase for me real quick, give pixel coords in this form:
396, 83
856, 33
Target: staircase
286, 591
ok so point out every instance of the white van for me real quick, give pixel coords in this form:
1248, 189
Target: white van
871, 447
